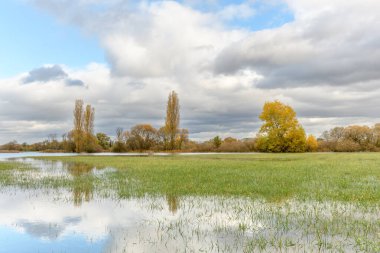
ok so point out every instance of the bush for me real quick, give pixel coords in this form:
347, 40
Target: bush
204, 147
348, 146
235, 146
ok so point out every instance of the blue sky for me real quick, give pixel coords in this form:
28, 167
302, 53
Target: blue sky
21, 242
268, 14
31, 38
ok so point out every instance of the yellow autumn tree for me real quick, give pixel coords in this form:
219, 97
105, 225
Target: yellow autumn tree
83, 131
281, 131
311, 143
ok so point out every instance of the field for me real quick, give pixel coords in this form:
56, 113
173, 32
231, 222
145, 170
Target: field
274, 177
277, 202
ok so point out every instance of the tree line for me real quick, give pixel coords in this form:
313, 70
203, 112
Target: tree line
280, 132
351, 139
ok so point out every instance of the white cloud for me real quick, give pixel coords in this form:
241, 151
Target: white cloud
324, 63
237, 11
138, 225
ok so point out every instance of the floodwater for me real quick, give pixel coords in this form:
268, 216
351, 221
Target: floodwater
4, 156
79, 220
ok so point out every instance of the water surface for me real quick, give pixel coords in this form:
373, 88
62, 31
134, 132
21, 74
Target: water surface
79, 219
4, 156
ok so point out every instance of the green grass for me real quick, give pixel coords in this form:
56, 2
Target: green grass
9, 166
304, 202
275, 177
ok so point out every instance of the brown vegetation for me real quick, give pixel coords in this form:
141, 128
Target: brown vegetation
351, 139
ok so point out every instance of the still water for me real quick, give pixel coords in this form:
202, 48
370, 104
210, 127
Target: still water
78, 219
4, 156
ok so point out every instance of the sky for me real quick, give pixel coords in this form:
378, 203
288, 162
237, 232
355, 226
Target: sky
225, 59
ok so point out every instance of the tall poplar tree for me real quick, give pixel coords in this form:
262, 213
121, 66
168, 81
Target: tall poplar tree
89, 138
172, 119
78, 135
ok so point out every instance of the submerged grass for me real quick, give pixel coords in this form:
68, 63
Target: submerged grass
230, 203
8, 166
275, 177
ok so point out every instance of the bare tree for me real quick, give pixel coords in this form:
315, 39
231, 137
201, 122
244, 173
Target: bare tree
119, 145
119, 134
142, 137
52, 137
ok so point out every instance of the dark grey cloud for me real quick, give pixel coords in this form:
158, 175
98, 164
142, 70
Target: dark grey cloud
45, 230
334, 47
51, 73
74, 82
330, 68
45, 74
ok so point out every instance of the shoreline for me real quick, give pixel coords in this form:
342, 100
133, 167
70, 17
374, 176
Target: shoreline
9, 151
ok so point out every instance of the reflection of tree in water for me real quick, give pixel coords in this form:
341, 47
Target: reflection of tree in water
83, 186
173, 203
79, 169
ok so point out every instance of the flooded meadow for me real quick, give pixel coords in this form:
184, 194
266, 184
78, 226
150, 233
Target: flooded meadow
57, 206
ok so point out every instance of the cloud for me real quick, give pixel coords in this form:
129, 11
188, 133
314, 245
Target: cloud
74, 82
324, 63
237, 11
50, 73
109, 225
329, 43
45, 74
141, 40
47, 230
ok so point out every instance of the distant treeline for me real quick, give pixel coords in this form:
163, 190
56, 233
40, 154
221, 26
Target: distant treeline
280, 132
351, 139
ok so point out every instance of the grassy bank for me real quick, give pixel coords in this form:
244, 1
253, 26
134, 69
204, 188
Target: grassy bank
342, 177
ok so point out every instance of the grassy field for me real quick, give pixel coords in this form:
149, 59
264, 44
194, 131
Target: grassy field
274, 177
261, 202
